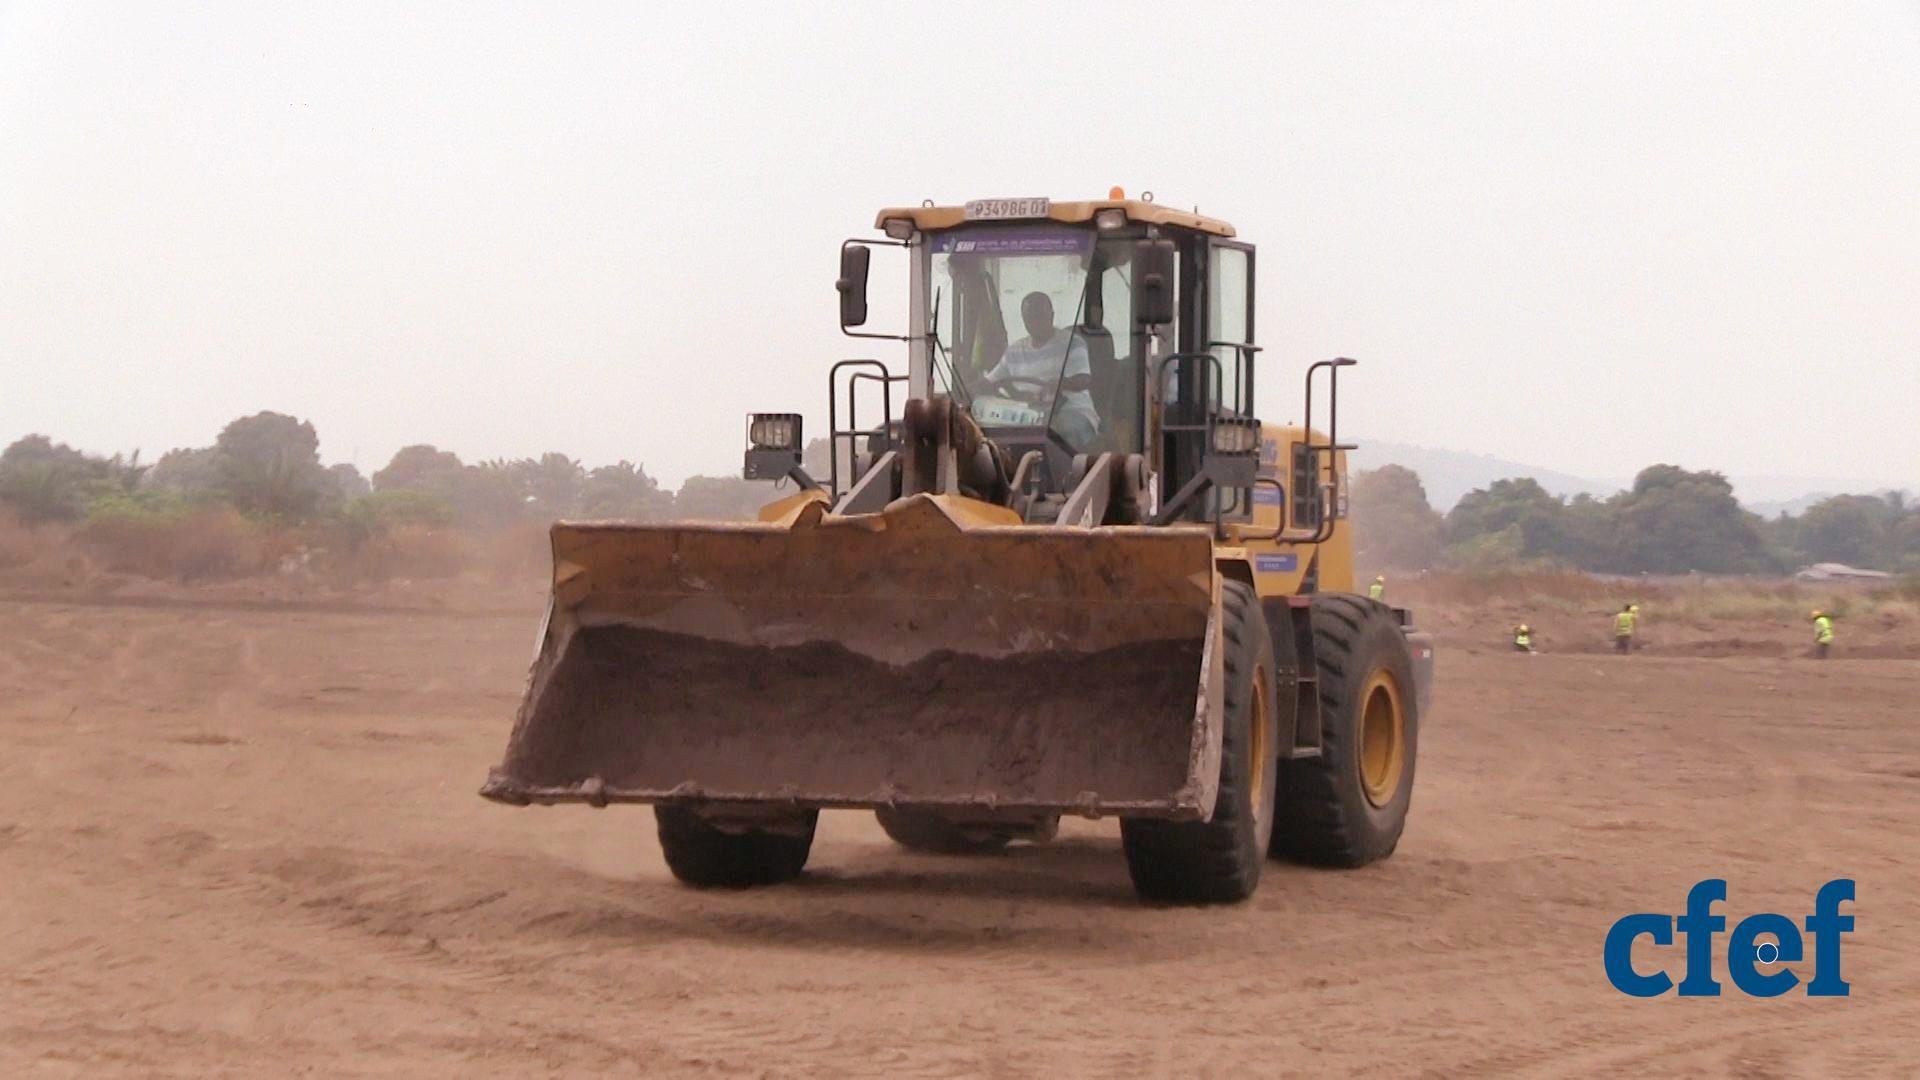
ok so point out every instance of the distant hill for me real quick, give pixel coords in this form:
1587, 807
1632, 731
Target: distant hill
1449, 474
1772, 508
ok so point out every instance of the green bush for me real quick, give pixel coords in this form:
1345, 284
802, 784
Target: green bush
383, 510
169, 537
406, 551
41, 480
397, 532
1499, 552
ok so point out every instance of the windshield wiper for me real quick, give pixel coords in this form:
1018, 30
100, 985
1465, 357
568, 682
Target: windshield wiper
955, 385
1073, 331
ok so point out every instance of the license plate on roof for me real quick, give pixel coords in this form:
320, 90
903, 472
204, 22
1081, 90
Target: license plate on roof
1003, 209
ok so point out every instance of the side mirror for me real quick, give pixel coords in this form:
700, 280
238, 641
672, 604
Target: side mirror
1153, 272
854, 260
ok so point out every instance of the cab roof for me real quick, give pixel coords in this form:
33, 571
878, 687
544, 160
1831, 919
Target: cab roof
935, 218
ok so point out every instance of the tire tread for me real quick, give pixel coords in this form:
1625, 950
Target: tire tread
1322, 818
1208, 861
702, 855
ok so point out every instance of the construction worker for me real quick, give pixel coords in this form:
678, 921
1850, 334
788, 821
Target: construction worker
1523, 638
1378, 590
1623, 629
1822, 634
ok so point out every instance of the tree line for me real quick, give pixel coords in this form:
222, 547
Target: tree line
267, 466
1671, 521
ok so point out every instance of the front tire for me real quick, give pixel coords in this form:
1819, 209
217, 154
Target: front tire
702, 854
1348, 806
1219, 860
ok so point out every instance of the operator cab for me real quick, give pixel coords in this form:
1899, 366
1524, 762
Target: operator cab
1040, 322
1088, 362
1021, 333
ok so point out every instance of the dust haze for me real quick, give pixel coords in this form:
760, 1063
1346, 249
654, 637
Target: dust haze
1579, 237
248, 703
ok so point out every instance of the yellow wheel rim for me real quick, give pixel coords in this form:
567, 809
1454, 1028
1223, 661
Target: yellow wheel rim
1257, 745
1383, 737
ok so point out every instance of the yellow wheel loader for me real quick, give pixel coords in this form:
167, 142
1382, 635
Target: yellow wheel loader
1061, 568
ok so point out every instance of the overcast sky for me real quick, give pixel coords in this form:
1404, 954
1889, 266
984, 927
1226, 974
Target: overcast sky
1585, 237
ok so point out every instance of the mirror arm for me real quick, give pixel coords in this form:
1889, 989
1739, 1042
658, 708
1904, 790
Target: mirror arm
1182, 499
802, 479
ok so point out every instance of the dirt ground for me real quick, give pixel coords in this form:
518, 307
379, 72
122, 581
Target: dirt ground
244, 840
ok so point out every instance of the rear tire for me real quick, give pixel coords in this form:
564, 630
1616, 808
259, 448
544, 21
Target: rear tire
700, 853
1219, 861
1348, 806
935, 835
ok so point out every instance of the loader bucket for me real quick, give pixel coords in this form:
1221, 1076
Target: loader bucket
935, 655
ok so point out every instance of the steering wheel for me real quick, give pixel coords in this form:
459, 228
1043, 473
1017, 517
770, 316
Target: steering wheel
1010, 387
1042, 391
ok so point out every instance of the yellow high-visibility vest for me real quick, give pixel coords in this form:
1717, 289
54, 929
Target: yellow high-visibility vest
1823, 631
1523, 639
1623, 624
1377, 590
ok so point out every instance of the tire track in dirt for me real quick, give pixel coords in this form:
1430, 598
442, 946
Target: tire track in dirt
265, 605
254, 847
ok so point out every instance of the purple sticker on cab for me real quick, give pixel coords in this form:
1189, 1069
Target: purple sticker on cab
1276, 564
1014, 242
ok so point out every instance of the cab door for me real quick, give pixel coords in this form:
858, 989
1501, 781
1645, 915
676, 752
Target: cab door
1230, 322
